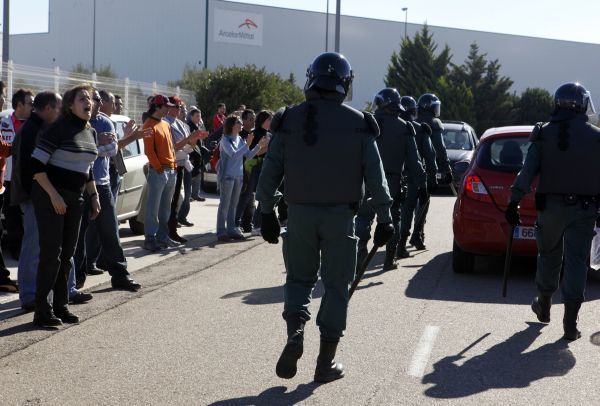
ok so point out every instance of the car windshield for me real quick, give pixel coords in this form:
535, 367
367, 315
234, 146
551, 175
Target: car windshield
503, 154
457, 139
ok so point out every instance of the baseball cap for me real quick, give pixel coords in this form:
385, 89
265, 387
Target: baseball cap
161, 100
176, 101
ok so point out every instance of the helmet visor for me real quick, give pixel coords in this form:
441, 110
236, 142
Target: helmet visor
436, 108
590, 110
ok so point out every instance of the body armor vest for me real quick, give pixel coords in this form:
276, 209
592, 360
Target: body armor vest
392, 142
323, 153
575, 169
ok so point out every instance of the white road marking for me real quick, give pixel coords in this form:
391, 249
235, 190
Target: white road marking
421, 355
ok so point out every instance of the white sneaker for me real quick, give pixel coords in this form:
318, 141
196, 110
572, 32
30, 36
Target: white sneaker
255, 232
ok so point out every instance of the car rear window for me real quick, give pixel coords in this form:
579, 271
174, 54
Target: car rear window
457, 139
503, 154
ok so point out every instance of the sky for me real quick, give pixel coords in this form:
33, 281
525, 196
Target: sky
553, 19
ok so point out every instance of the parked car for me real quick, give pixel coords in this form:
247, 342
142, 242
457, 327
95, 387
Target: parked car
461, 141
478, 219
130, 201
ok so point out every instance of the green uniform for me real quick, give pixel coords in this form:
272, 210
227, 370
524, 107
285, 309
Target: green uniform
325, 150
398, 151
565, 156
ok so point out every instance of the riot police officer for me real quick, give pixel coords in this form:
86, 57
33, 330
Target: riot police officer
429, 108
398, 149
562, 153
417, 198
325, 149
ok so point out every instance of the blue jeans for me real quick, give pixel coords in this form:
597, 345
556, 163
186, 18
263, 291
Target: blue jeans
230, 189
247, 199
30, 255
196, 185
158, 204
71, 282
184, 209
105, 230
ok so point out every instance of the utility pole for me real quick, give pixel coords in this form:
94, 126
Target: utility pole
94, 40
405, 9
206, 38
327, 28
337, 25
6, 31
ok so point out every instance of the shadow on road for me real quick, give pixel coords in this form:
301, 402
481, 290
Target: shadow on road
505, 365
273, 396
437, 281
272, 295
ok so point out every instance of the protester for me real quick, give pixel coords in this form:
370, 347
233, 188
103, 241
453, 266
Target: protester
6, 284
118, 104
230, 173
219, 117
200, 153
182, 142
22, 103
46, 108
105, 225
161, 176
62, 169
245, 213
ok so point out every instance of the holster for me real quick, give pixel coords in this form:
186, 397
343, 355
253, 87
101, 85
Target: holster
540, 201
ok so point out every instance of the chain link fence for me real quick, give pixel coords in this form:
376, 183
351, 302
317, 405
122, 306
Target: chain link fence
133, 93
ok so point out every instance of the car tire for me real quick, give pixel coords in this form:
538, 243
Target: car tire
462, 261
137, 227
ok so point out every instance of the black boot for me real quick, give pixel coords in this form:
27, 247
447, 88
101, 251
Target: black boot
541, 307
361, 253
570, 321
46, 319
401, 251
418, 240
327, 369
389, 262
286, 366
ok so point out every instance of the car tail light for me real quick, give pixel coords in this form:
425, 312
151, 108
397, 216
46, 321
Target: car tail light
475, 189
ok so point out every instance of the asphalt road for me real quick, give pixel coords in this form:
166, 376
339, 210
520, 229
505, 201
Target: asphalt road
207, 329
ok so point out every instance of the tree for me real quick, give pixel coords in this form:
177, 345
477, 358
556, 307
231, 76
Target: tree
249, 85
416, 69
104, 71
457, 101
533, 106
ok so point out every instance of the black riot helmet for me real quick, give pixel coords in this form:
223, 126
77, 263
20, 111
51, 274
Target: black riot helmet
573, 97
429, 102
410, 106
329, 71
388, 100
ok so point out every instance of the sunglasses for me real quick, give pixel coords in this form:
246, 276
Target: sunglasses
97, 99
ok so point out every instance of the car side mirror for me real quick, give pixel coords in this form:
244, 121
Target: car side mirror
460, 166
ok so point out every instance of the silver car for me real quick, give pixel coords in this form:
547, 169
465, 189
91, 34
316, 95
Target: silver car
130, 202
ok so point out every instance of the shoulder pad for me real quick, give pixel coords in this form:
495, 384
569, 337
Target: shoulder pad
278, 118
410, 129
426, 129
436, 124
371, 123
536, 133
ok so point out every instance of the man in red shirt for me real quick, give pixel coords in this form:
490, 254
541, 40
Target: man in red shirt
219, 117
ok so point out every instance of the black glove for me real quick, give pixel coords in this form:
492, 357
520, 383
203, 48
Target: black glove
270, 228
383, 232
447, 179
423, 194
432, 184
512, 214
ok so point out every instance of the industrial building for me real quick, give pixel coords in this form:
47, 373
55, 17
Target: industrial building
151, 40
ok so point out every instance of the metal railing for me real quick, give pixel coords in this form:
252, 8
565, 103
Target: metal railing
133, 93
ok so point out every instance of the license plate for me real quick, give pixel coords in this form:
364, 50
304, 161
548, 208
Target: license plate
524, 233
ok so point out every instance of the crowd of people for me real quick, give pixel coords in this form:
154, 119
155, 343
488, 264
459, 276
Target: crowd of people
61, 169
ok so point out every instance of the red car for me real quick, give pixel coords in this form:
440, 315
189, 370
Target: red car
478, 219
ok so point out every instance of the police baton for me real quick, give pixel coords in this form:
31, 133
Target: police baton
362, 269
422, 210
507, 260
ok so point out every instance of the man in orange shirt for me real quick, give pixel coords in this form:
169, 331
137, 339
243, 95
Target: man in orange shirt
161, 176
